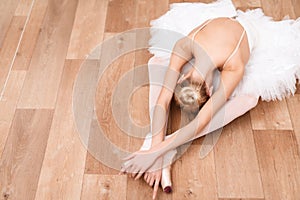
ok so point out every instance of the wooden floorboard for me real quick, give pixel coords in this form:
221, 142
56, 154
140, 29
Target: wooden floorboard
44, 156
278, 9
294, 107
9, 47
23, 155
8, 104
7, 10
279, 164
272, 115
31, 34
24, 8
237, 168
63, 165
106, 187
48, 58
87, 32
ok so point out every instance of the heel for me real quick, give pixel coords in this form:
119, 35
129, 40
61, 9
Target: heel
166, 182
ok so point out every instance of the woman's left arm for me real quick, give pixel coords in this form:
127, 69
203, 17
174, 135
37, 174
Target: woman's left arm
229, 80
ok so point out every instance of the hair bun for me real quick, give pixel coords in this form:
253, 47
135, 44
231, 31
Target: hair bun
189, 96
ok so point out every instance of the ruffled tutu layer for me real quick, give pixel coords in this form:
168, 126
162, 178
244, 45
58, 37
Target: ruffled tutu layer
274, 64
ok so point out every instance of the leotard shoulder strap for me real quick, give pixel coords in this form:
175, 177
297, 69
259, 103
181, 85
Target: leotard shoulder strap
235, 50
201, 27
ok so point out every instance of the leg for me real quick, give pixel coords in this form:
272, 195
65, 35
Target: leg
234, 108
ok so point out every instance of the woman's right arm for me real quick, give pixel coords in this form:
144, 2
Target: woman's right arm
181, 54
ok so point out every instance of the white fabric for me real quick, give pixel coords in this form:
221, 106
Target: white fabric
274, 62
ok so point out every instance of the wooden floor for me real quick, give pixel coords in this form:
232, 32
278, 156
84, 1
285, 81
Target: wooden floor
42, 45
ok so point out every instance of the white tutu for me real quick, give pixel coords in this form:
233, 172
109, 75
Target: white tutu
274, 63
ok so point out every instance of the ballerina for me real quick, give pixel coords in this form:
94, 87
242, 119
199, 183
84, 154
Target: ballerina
215, 71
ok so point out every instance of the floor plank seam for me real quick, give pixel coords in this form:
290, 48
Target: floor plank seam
17, 49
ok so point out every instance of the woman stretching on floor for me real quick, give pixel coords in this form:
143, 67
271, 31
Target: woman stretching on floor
223, 44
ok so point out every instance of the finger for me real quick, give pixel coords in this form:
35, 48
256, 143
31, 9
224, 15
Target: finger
152, 180
138, 175
128, 157
134, 171
121, 173
155, 188
149, 178
146, 176
123, 170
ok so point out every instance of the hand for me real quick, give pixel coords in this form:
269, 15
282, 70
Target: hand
154, 174
138, 162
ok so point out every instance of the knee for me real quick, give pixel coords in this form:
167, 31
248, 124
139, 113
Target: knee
155, 60
252, 101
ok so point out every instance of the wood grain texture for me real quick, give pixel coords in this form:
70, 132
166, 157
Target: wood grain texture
279, 164
278, 9
194, 178
294, 107
296, 6
121, 15
87, 32
63, 166
272, 115
104, 187
7, 9
183, 1
298, 88
241, 199
237, 168
31, 35
48, 57
148, 10
23, 153
9, 47
23, 8
104, 96
246, 4
8, 104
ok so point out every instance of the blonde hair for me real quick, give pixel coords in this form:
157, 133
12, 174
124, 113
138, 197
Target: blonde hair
190, 96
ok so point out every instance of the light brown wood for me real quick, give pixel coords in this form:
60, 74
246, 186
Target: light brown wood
194, 178
298, 88
241, 199
8, 104
272, 115
57, 164
7, 9
31, 34
23, 154
294, 107
237, 168
103, 105
148, 10
183, 1
23, 8
104, 187
9, 47
48, 57
278, 9
121, 15
87, 32
63, 166
296, 6
279, 164
246, 4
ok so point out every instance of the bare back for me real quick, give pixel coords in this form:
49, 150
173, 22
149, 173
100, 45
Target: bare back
219, 38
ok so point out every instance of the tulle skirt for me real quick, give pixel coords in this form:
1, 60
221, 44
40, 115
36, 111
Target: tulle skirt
274, 63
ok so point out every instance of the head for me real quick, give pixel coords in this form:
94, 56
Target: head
190, 96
